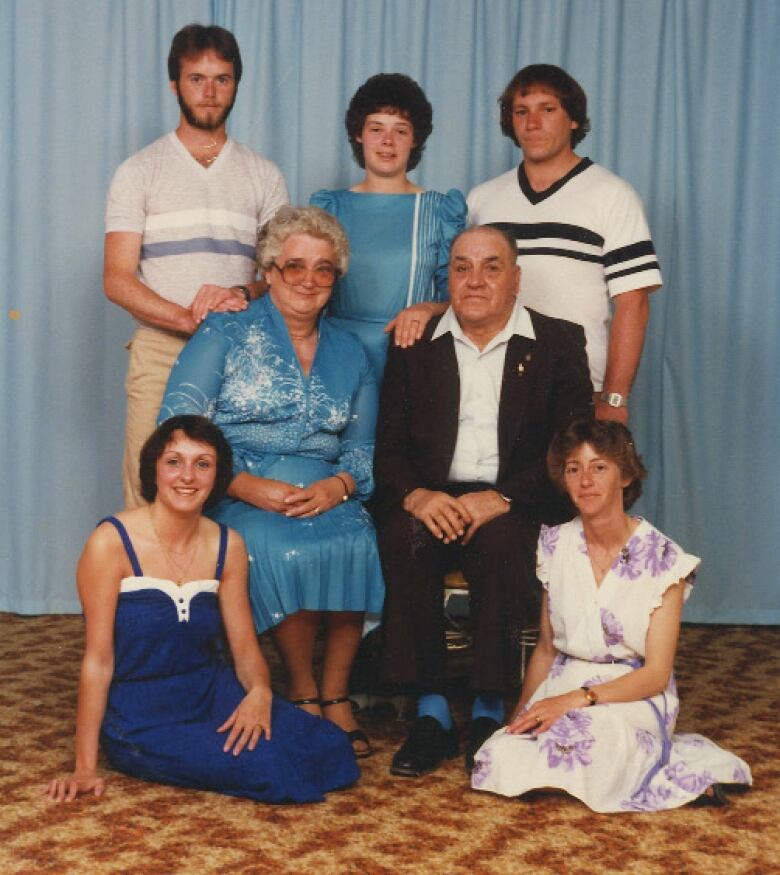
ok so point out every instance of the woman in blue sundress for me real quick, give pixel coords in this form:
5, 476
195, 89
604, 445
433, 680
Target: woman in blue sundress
399, 234
297, 400
159, 585
599, 704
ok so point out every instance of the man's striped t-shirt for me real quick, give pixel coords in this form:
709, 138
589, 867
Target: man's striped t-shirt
580, 243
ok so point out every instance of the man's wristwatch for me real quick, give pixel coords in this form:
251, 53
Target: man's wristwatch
245, 292
614, 399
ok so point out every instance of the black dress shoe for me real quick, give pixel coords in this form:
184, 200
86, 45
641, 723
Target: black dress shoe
480, 731
714, 797
425, 748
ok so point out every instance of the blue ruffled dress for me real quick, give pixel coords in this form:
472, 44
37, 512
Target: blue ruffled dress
399, 249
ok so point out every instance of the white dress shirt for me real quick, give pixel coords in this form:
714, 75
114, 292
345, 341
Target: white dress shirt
481, 373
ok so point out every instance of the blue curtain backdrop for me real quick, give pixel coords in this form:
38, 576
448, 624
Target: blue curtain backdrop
684, 104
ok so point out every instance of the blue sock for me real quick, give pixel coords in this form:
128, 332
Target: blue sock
436, 706
488, 705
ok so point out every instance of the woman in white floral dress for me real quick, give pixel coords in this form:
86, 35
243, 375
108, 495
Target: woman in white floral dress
599, 704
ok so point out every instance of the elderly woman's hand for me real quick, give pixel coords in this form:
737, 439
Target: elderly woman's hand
410, 323
68, 788
317, 498
263, 492
249, 722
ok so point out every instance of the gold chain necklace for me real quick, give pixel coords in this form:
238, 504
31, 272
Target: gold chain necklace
172, 563
207, 160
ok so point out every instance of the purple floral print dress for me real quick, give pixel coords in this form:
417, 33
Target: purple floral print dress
613, 757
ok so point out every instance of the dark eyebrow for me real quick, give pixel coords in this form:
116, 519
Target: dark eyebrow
468, 259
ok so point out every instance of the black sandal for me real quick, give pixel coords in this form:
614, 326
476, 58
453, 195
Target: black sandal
716, 799
354, 735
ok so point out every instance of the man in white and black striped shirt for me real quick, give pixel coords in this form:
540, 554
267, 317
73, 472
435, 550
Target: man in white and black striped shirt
583, 241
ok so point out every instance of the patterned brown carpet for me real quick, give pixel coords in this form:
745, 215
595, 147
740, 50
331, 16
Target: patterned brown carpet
728, 678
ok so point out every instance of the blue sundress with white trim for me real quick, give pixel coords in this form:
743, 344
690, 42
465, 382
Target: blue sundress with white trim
171, 690
618, 756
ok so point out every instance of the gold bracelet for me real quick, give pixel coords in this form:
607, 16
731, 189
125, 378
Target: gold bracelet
590, 695
346, 488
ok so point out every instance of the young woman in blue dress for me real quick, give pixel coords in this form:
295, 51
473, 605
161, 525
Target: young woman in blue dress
159, 585
399, 234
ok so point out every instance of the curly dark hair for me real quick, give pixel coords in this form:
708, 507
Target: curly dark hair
393, 93
196, 428
558, 82
195, 39
609, 439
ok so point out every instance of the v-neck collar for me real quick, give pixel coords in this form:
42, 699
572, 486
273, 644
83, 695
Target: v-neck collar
281, 327
536, 197
197, 167
609, 573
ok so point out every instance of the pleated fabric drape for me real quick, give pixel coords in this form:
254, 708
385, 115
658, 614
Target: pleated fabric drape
683, 102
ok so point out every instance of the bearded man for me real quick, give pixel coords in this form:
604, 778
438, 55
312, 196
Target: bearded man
181, 227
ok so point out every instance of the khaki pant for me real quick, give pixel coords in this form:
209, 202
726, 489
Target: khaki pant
152, 355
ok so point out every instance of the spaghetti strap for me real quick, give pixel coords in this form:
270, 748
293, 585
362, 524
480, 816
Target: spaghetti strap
223, 540
126, 541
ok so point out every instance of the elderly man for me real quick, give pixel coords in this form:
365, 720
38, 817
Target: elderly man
465, 419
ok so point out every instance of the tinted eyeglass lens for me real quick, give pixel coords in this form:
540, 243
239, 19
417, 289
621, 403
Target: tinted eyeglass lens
294, 274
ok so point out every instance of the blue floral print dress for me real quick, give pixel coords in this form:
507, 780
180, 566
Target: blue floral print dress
240, 371
613, 757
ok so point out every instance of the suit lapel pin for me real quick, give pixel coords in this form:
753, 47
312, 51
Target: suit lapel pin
521, 366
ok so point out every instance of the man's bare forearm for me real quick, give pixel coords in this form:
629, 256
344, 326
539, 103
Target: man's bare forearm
147, 306
626, 339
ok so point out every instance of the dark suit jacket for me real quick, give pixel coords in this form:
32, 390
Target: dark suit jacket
546, 384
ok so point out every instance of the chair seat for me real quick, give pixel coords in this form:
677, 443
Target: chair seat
456, 580
455, 607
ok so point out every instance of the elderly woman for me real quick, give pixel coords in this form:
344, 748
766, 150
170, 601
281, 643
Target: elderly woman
599, 702
296, 398
158, 585
399, 234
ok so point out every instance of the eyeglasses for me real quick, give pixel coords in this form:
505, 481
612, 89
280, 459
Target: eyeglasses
294, 273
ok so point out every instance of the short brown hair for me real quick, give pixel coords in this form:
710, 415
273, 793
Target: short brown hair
195, 39
557, 81
609, 439
196, 428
